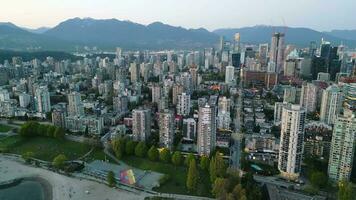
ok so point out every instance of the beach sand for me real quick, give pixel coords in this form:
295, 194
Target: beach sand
63, 187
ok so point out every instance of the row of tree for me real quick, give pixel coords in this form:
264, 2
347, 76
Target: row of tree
226, 183
31, 129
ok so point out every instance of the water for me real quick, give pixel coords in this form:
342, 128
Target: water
25, 190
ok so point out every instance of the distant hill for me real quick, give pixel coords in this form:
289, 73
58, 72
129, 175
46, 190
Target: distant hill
346, 34
112, 33
297, 36
13, 37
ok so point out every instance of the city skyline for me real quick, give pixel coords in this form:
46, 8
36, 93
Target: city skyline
236, 13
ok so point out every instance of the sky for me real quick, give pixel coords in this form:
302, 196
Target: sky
322, 15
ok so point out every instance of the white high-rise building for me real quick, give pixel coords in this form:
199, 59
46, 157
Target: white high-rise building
229, 74
206, 130
308, 98
183, 106
42, 100
342, 147
141, 124
291, 142
331, 104
166, 129
75, 105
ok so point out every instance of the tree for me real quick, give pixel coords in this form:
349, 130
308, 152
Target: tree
141, 149
188, 158
345, 191
239, 192
130, 147
111, 179
177, 158
319, 179
192, 179
212, 170
165, 155
59, 133
118, 146
204, 163
153, 153
217, 167
220, 165
50, 131
59, 161
219, 187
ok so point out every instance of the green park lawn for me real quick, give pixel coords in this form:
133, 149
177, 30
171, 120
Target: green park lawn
4, 128
44, 148
178, 176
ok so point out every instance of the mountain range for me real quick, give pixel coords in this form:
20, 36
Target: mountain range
110, 33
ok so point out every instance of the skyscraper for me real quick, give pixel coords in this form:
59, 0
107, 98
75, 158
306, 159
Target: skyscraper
194, 72
141, 124
342, 147
308, 98
166, 129
42, 99
291, 142
183, 106
277, 51
135, 72
229, 75
331, 103
75, 106
206, 130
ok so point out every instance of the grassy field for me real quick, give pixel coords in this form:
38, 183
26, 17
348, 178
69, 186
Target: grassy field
178, 176
4, 128
44, 148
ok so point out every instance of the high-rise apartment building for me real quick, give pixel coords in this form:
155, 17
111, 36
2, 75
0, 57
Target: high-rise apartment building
166, 129
331, 104
206, 130
342, 147
308, 98
75, 106
277, 51
291, 142
229, 74
42, 100
183, 106
141, 124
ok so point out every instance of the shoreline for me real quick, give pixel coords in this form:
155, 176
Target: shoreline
46, 186
58, 186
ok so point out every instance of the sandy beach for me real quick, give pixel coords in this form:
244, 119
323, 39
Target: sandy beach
62, 187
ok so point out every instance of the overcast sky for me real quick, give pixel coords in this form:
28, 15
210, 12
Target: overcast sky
211, 14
